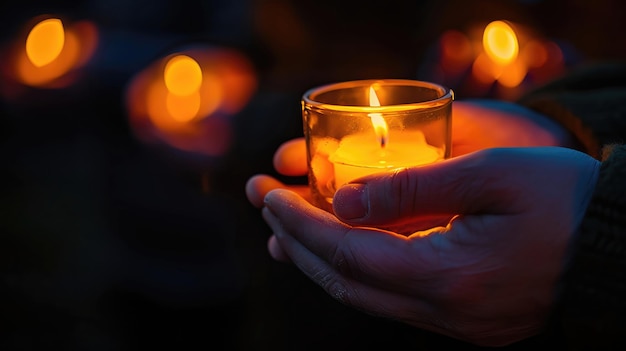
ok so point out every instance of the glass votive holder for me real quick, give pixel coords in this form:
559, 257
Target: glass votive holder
356, 128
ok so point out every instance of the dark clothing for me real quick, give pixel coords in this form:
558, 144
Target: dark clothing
591, 104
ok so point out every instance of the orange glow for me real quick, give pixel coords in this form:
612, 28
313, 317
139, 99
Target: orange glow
183, 108
49, 51
484, 70
183, 93
380, 126
510, 55
534, 54
500, 42
45, 41
237, 79
182, 75
183, 78
456, 51
551, 66
184, 100
513, 74
501, 60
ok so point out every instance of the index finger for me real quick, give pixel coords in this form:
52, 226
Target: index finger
342, 276
259, 185
365, 254
315, 228
290, 158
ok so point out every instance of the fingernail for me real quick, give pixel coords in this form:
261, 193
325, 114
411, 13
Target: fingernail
267, 199
351, 201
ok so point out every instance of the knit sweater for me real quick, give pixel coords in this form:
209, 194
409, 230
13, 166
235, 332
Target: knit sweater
591, 104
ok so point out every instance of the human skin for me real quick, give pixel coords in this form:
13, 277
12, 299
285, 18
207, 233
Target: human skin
516, 193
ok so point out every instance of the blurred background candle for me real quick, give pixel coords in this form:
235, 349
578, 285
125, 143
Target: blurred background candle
49, 52
357, 128
496, 59
183, 102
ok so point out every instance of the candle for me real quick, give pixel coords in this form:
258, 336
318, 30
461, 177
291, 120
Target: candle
351, 134
49, 51
359, 155
185, 100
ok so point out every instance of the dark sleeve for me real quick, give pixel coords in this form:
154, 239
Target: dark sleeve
591, 103
593, 302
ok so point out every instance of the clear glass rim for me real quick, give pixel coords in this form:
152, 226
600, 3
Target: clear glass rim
447, 96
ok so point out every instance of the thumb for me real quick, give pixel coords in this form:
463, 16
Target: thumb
463, 185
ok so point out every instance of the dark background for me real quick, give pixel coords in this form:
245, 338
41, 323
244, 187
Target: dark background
109, 243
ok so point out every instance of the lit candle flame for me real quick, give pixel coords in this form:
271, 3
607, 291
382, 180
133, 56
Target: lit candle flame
45, 42
380, 126
500, 42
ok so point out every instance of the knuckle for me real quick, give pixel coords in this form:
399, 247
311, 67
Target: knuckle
403, 190
339, 292
346, 267
335, 286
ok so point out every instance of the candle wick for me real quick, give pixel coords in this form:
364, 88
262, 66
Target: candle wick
383, 142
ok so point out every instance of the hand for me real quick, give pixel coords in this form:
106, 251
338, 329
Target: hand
489, 277
476, 125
